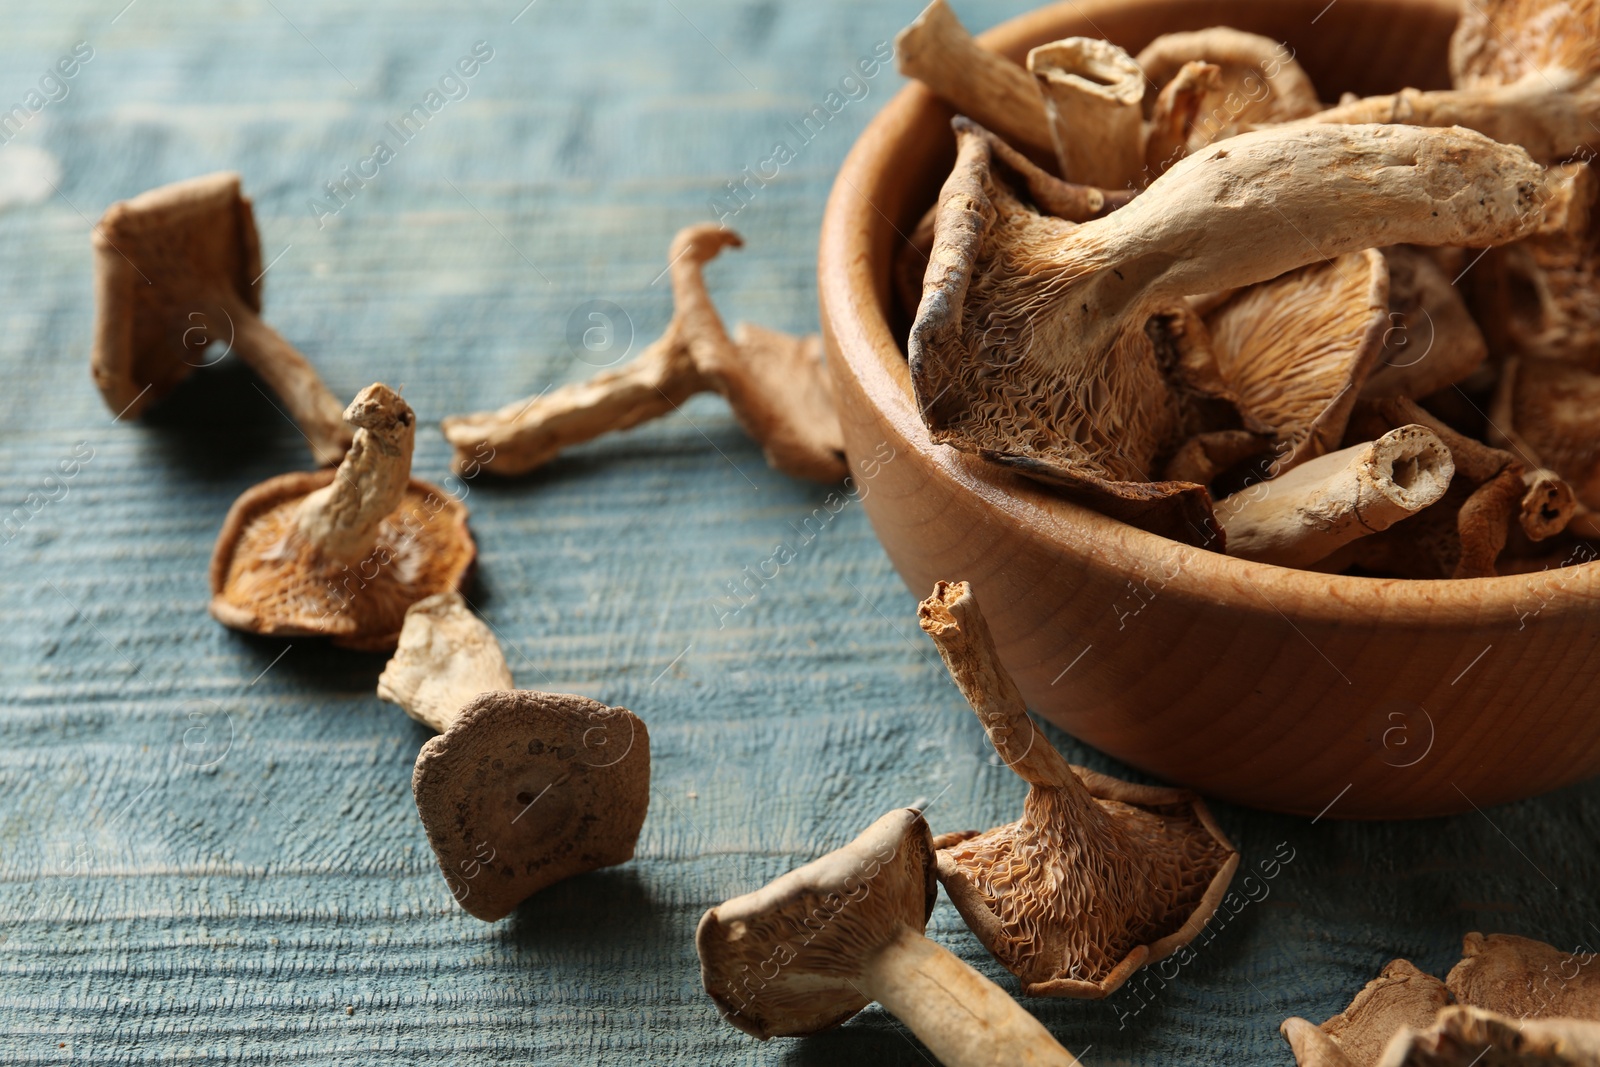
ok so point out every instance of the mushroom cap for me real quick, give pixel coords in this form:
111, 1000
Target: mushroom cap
1401, 996
784, 960
1498, 42
166, 262
266, 579
526, 789
1118, 894
1295, 351
1551, 409
1520, 977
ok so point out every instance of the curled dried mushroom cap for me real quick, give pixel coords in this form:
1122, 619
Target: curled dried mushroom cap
1098, 877
178, 267
814, 947
1031, 345
1471, 1037
521, 789
1401, 996
1430, 338
776, 384
342, 553
1092, 91
1523, 978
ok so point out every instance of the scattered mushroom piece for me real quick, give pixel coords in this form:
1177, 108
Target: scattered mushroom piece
521, 789
1431, 340
1098, 877
776, 384
1257, 81
1523, 978
342, 553
1030, 346
983, 85
1401, 996
1302, 517
1471, 1037
180, 266
1092, 92
1296, 350
817, 945
1548, 412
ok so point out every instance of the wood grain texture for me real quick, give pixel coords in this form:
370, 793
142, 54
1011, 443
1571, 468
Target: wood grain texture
209, 852
1264, 685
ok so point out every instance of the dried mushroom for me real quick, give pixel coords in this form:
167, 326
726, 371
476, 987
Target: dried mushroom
776, 384
1430, 340
1523, 978
177, 268
1401, 996
1092, 92
1464, 533
1032, 346
342, 553
1207, 85
1098, 877
1294, 352
983, 85
814, 947
1471, 1037
1548, 412
1305, 516
521, 789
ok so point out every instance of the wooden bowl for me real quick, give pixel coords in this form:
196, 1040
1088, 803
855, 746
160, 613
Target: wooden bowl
1281, 689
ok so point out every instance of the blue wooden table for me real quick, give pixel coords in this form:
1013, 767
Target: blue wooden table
208, 848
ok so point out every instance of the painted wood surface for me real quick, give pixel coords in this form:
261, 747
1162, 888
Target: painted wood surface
207, 843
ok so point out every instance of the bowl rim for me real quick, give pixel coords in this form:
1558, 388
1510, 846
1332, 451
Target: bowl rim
861, 344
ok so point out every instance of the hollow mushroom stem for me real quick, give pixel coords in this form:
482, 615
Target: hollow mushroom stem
964, 1019
342, 519
983, 85
1092, 93
445, 658
294, 381
1309, 513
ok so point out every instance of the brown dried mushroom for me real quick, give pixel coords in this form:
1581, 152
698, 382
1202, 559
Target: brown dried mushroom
178, 267
1430, 340
342, 553
1401, 996
1305, 516
1523, 978
983, 85
1031, 348
817, 945
1471, 1037
1548, 413
521, 789
776, 384
1092, 92
1098, 877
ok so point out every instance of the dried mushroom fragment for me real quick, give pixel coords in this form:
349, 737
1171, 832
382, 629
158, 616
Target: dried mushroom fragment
983, 85
1548, 412
1295, 351
1307, 515
179, 267
1431, 340
817, 945
776, 384
1401, 996
1471, 1037
1179, 108
1523, 978
1098, 877
1030, 346
521, 789
1092, 91
342, 553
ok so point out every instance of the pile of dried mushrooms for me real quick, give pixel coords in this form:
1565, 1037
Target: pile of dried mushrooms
1179, 287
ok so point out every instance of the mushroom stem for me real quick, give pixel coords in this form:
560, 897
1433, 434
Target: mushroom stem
445, 658
983, 85
1092, 93
951, 617
287, 373
1552, 120
1305, 515
342, 519
964, 1019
